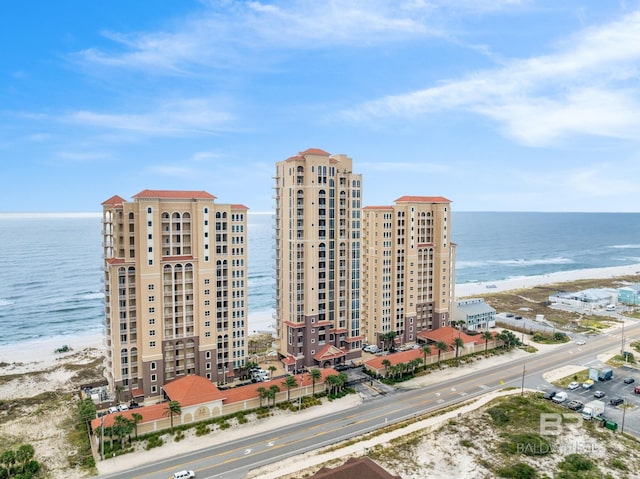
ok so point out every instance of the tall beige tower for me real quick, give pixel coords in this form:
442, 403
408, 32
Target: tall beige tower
175, 283
408, 266
318, 242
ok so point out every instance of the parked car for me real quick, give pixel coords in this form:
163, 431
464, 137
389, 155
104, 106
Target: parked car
372, 348
509, 315
518, 317
575, 405
581, 343
588, 384
616, 401
629, 380
560, 397
549, 394
573, 385
599, 394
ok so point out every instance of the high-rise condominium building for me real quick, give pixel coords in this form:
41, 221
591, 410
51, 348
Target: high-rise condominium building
318, 242
408, 269
175, 283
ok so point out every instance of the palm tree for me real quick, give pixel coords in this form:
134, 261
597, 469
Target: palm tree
486, 335
262, 393
426, 351
121, 427
457, 343
332, 380
136, 417
315, 374
415, 364
173, 408
441, 346
119, 390
386, 363
273, 390
272, 369
289, 382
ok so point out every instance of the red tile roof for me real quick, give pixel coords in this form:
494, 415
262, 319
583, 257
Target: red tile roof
192, 389
175, 194
314, 151
422, 199
329, 351
448, 334
148, 413
397, 358
239, 207
114, 201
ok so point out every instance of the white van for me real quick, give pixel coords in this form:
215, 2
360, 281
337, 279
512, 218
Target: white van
184, 474
611, 307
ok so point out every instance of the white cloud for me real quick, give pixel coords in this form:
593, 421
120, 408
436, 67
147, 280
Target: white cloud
82, 156
174, 118
590, 87
229, 33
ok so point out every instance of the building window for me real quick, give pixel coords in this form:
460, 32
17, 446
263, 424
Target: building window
150, 263
154, 377
152, 321
150, 287
154, 389
207, 324
152, 310
207, 366
152, 299
152, 332
152, 366
152, 344
207, 355
207, 334
206, 281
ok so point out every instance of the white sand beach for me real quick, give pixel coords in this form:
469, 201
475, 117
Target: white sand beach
472, 289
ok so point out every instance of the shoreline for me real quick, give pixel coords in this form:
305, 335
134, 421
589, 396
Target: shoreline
41, 352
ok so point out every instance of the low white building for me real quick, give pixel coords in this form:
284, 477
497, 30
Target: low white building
475, 313
589, 299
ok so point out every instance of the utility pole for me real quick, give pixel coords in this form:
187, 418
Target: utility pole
624, 410
522, 387
622, 345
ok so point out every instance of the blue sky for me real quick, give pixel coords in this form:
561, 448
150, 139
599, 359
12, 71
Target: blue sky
498, 105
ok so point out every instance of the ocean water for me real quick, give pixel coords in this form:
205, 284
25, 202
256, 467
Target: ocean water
51, 265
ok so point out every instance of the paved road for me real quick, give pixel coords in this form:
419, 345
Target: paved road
234, 459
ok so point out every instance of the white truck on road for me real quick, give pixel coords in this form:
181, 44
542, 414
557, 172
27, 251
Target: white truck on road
593, 409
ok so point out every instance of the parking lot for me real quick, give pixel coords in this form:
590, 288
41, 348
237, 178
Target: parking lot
613, 388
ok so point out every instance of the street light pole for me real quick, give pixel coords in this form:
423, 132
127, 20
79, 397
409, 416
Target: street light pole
522, 387
622, 345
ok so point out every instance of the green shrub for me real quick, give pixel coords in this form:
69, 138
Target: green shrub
499, 415
528, 444
518, 471
153, 441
